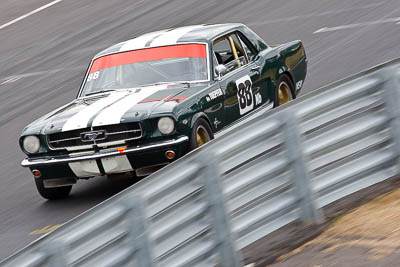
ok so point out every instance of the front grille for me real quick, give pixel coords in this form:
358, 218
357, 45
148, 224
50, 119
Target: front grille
113, 133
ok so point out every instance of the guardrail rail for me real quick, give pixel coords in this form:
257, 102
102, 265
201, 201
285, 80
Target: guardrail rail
283, 166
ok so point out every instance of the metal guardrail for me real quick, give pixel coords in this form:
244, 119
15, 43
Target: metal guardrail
280, 167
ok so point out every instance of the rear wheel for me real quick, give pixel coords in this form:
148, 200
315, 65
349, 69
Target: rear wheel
54, 192
201, 134
284, 92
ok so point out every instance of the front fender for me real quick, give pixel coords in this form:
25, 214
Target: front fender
198, 115
186, 123
293, 62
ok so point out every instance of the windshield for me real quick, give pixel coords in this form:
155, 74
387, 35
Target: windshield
175, 63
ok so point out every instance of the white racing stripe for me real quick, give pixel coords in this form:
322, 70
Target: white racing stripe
139, 42
114, 113
163, 37
81, 119
171, 37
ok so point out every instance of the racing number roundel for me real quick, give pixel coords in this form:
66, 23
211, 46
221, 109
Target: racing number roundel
245, 94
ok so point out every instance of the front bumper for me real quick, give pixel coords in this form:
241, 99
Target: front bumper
43, 162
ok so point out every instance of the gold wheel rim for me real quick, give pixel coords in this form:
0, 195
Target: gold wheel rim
284, 94
202, 136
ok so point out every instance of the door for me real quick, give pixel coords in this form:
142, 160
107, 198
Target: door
241, 83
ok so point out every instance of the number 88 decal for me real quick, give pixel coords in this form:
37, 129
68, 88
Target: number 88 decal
245, 94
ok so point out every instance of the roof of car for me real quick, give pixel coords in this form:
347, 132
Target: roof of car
194, 33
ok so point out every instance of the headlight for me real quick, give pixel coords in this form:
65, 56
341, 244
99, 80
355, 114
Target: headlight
31, 144
166, 125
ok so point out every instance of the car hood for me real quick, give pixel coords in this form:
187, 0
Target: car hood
111, 108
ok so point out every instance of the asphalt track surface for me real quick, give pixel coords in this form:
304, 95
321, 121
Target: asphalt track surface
43, 58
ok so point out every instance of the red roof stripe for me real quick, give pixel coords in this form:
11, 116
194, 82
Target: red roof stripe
149, 54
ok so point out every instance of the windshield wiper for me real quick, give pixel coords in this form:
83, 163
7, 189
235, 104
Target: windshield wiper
101, 91
161, 83
152, 84
185, 83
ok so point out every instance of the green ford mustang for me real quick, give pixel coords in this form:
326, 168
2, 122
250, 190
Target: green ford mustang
148, 101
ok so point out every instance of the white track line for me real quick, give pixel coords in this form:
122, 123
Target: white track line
29, 14
356, 25
312, 15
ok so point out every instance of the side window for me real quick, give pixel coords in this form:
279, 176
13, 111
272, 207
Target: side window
239, 49
246, 44
222, 50
229, 52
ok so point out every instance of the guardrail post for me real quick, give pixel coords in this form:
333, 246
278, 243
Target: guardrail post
300, 170
56, 252
140, 241
391, 97
220, 220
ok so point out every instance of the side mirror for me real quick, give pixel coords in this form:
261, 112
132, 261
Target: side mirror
220, 70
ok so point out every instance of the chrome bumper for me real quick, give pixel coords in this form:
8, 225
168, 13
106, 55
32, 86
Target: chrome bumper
98, 155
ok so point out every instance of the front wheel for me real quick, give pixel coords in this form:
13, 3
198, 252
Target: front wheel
284, 92
54, 192
201, 134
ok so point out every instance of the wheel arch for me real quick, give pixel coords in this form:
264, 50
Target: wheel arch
200, 115
287, 73
290, 76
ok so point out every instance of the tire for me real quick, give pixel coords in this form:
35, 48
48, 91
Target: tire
201, 134
284, 91
52, 193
